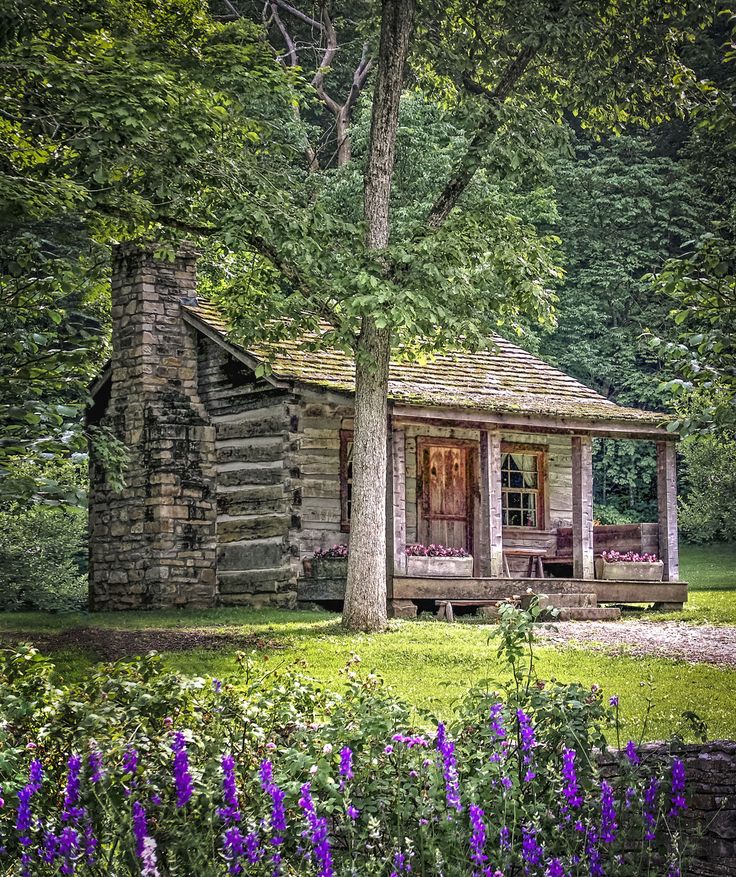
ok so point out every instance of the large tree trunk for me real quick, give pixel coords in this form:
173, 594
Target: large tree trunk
365, 595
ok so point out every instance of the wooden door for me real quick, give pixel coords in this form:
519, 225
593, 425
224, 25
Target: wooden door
445, 501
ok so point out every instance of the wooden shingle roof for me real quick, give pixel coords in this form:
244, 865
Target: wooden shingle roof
505, 380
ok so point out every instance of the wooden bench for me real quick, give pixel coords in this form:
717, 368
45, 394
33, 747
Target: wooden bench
534, 556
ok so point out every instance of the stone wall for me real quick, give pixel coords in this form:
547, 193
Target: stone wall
152, 544
710, 818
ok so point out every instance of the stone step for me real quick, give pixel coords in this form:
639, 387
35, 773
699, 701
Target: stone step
589, 613
560, 601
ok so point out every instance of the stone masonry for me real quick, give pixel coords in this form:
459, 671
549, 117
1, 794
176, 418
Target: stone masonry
153, 544
710, 789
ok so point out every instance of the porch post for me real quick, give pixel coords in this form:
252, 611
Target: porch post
398, 456
490, 543
582, 507
667, 503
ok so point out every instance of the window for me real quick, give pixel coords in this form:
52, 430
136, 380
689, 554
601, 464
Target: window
522, 478
346, 478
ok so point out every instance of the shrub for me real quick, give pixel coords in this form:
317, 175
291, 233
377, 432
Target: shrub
708, 510
43, 558
134, 770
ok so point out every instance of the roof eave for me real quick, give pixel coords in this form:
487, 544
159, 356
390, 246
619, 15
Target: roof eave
609, 428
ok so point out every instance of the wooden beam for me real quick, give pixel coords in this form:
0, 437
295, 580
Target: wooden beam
582, 507
534, 423
667, 503
490, 537
463, 588
398, 455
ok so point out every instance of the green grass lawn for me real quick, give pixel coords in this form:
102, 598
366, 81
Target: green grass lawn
710, 571
431, 664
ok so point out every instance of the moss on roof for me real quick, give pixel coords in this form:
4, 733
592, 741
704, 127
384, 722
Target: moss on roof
504, 380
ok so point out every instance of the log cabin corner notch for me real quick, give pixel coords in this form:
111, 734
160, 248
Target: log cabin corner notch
235, 479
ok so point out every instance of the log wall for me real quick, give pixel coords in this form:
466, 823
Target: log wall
314, 470
252, 434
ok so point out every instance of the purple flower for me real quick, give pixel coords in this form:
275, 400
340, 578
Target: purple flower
140, 827
554, 869
216, 686
277, 796
317, 832
632, 754
130, 761
678, 788
388, 749
571, 790
233, 847
346, 765
497, 725
528, 740
71, 793
531, 851
477, 839
608, 814
504, 837
446, 748
23, 817
401, 864
96, 771
353, 812
68, 848
613, 700
410, 741
182, 777
650, 807
230, 813
595, 868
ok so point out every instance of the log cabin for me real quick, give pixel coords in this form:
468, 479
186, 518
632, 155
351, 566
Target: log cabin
235, 478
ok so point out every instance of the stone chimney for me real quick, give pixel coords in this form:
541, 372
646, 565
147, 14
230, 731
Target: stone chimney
153, 544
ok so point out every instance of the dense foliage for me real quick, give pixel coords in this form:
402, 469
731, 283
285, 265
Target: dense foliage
133, 770
708, 508
43, 559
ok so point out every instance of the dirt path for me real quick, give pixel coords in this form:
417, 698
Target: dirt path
662, 639
110, 644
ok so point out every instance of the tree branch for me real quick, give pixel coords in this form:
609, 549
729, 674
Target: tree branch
471, 161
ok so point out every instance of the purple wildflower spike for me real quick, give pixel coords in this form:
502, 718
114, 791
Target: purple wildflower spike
446, 748
477, 840
571, 790
182, 776
608, 814
678, 788
317, 832
96, 771
531, 851
650, 808
632, 754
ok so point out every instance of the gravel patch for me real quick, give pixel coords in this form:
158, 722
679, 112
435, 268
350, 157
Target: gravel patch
701, 644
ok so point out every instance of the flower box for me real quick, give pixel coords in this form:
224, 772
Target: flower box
624, 570
328, 567
439, 566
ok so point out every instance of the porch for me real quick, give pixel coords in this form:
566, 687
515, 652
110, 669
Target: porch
564, 555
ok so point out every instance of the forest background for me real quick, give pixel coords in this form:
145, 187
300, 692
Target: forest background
631, 217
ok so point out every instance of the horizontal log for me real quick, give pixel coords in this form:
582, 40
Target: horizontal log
254, 527
431, 588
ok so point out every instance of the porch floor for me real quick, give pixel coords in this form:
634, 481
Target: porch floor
460, 588
606, 591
